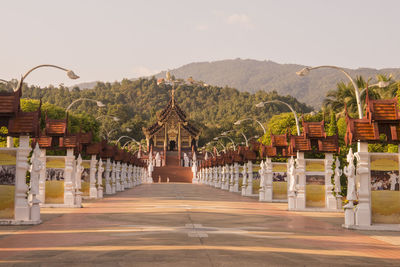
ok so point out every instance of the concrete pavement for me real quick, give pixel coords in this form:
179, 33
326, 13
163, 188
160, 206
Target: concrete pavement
191, 225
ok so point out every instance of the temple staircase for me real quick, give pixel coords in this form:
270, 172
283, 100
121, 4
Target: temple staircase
172, 170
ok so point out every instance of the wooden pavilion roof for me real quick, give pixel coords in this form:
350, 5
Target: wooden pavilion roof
381, 118
166, 113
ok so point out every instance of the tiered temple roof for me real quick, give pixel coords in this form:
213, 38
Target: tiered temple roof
381, 123
169, 110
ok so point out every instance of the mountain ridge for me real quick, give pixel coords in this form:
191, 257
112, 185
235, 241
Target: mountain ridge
249, 75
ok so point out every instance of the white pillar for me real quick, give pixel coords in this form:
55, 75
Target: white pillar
244, 181
301, 181
69, 188
42, 177
100, 170
92, 177
129, 177
236, 177
292, 182
330, 200
118, 176
215, 176
78, 181
35, 168
123, 176
249, 188
363, 209
10, 141
114, 178
21, 207
231, 179
134, 174
108, 177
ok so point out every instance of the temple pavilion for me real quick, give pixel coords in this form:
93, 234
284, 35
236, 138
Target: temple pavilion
172, 132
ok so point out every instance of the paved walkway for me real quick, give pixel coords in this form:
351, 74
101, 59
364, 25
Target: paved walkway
191, 225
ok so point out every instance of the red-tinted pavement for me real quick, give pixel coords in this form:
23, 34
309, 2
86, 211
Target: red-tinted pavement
191, 225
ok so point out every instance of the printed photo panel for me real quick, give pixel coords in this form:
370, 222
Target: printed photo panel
279, 181
54, 191
385, 194
315, 183
7, 182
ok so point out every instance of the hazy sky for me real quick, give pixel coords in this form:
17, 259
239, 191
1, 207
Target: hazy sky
115, 39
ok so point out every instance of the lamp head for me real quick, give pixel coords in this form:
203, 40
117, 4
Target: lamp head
72, 75
238, 122
100, 104
382, 84
303, 72
115, 118
215, 138
260, 105
128, 129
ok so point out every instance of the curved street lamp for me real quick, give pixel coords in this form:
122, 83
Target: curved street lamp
233, 142
244, 136
261, 104
125, 136
70, 74
250, 119
113, 117
305, 71
98, 103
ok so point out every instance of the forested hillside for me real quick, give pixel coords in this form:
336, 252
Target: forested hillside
136, 103
249, 75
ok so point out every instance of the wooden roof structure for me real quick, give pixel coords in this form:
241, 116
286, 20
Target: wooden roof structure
11, 116
171, 109
381, 123
313, 139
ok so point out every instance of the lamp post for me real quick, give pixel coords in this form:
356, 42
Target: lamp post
244, 136
307, 70
233, 142
216, 140
261, 104
98, 103
70, 74
125, 136
250, 119
113, 117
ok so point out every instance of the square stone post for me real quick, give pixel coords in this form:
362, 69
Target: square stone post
301, 181
21, 207
129, 178
35, 168
78, 181
268, 180
92, 177
123, 176
114, 178
244, 181
118, 177
108, 177
291, 189
231, 178
363, 209
222, 177
215, 177
42, 177
135, 183
100, 170
249, 187
330, 200
219, 177
69, 187
10, 142
236, 177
